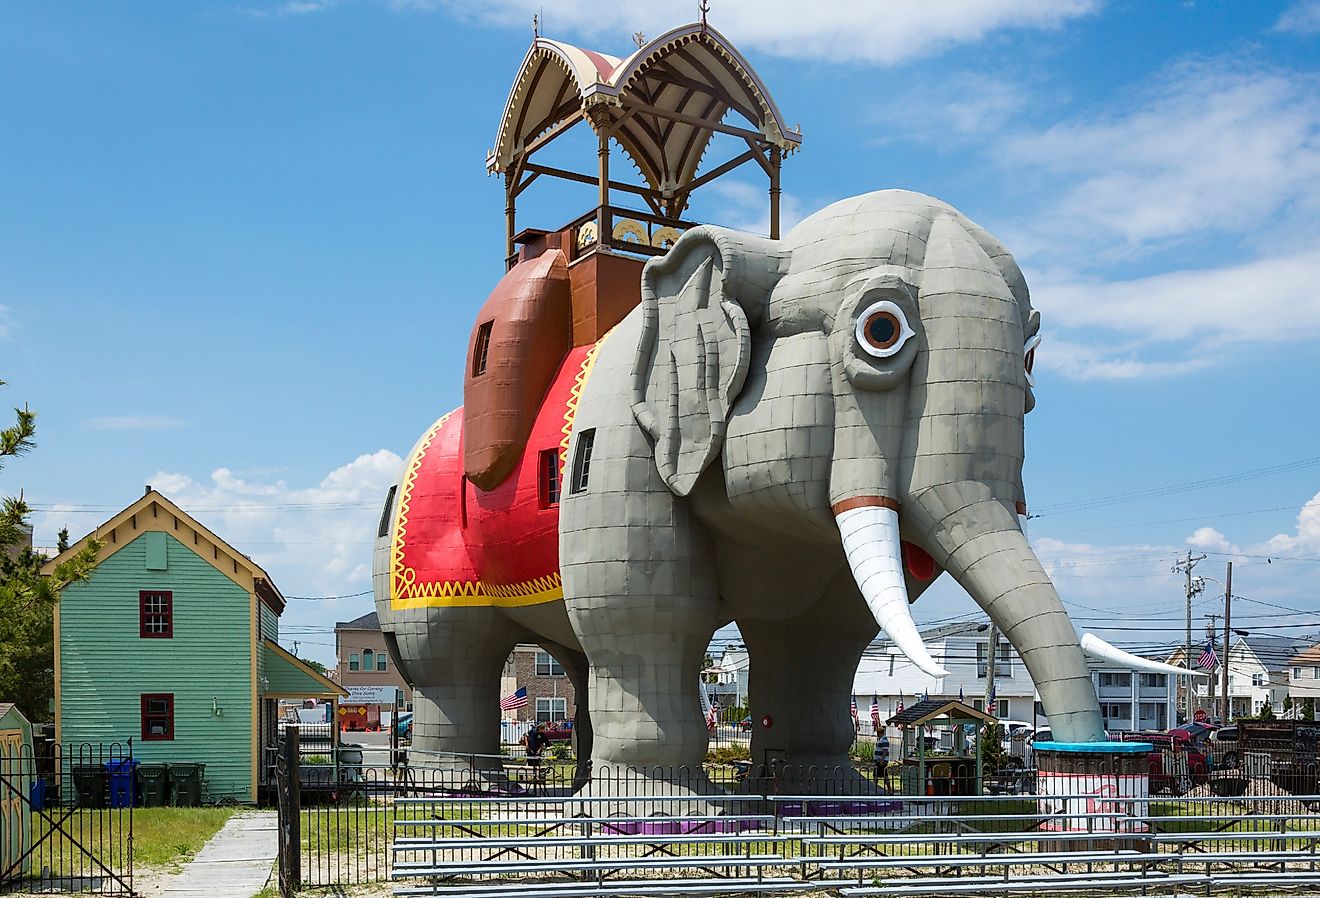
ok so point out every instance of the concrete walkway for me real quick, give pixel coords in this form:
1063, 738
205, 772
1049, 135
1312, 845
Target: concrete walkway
236, 863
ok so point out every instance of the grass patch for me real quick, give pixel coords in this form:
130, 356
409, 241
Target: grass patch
163, 838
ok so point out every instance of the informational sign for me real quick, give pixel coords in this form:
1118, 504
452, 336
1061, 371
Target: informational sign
370, 695
1095, 803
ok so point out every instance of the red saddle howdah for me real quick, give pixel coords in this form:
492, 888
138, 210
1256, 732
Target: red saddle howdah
456, 544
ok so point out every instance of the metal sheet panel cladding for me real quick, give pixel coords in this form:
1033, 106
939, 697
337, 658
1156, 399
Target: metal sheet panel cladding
797, 434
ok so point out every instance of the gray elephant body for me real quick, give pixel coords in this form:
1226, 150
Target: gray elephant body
754, 441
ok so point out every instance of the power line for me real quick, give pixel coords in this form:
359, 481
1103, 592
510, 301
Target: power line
352, 595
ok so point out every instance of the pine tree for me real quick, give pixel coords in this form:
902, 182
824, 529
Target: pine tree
1287, 704
28, 597
1266, 712
1308, 708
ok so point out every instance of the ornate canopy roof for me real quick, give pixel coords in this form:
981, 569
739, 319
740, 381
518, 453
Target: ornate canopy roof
662, 104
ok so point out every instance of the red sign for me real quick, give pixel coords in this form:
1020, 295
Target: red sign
1199, 716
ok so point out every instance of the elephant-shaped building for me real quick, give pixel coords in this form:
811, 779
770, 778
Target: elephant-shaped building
797, 433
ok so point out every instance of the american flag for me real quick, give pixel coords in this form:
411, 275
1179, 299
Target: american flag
899, 709
856, 722
713, 715
516, 700
991, 702
875, 712
1208, 660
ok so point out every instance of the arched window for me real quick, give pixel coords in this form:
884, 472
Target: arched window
368, 659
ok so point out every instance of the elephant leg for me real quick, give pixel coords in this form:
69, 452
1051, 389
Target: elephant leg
643, 600
800, 681
456, 658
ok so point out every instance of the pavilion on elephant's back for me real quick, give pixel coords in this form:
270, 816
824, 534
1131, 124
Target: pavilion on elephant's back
533, 341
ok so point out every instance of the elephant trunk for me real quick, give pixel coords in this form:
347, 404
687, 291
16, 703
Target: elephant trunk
871, 542
981, 544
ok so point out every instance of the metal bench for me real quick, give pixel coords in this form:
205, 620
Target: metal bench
1088, 882
609, 889
502, 868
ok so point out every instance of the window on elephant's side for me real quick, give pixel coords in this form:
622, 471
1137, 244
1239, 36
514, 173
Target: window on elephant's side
481, 348
384, 528
582, 459
548, 477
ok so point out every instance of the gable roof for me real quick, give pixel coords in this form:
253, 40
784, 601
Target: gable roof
154, 512
369, 621
1275, 652
1307, 656
931, 708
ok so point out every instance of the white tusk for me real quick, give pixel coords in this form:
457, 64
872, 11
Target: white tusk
871, 542
1102, 651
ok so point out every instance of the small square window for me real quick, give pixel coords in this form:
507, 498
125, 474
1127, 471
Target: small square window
354, 662
481, 348
156, 614
158, 716
548, 477
547, 666
582, 459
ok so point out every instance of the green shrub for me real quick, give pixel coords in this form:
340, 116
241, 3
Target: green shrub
316, 759
863, 751
727, 754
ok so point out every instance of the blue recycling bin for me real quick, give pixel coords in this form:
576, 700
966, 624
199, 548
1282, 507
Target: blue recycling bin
121, 778
38, 794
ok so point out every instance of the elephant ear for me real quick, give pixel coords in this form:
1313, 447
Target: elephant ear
699, 305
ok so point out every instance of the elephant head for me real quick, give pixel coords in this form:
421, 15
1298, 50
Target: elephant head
917, 328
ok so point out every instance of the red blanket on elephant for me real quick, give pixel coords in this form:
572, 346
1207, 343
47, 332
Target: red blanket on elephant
457, 545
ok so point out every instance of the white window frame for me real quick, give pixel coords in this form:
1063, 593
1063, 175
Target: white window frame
1004, 664
546, 709
547, 666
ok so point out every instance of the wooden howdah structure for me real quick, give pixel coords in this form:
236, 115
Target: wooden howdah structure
957, 771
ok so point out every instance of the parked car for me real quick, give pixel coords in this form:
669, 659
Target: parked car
1224, 747
558, 731
403, 725
745, 724
1198, 759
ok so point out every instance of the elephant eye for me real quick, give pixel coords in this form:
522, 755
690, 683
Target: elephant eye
1029, 357
882, 329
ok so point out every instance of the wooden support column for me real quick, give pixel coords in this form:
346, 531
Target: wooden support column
510, 192
776, 162
603, 212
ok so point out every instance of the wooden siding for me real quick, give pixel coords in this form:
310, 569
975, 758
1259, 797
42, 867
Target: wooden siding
288, 679
270, 625
105, 666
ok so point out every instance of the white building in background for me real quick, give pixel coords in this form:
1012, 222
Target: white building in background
1132, 700
963, 649
726, 681
1304, 676
1259, 671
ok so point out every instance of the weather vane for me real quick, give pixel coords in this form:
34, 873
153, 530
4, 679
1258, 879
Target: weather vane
703, 7
536, 25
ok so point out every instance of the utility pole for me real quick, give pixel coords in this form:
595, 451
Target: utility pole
1210, 632
1193, 587
990, 669
1228, 610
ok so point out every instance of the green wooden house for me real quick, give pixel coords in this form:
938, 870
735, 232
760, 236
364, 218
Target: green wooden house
173, 641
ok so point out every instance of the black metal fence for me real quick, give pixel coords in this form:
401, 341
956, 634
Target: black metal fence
67, 815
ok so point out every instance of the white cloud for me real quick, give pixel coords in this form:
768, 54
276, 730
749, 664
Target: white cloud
1213, 147
313, 541
831, 30
746, 207
1306, 539
1080, 361
1269, 299
134, 422
1209, 538
1301, 17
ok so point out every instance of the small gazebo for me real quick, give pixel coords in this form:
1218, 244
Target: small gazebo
661, 105
944, 774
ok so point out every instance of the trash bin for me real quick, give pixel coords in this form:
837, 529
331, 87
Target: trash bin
154, 785
119, 775
186, 784
89, 785
38, 794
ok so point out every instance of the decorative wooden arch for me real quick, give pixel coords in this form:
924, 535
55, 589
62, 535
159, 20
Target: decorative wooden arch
662, 105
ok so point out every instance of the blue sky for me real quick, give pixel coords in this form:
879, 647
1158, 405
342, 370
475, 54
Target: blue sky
243, 244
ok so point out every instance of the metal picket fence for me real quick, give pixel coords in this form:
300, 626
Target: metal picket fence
66, 818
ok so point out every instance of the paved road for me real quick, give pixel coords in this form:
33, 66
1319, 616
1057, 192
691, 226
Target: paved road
236, 863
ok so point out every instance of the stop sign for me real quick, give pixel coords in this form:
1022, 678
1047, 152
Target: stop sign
1199, 716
